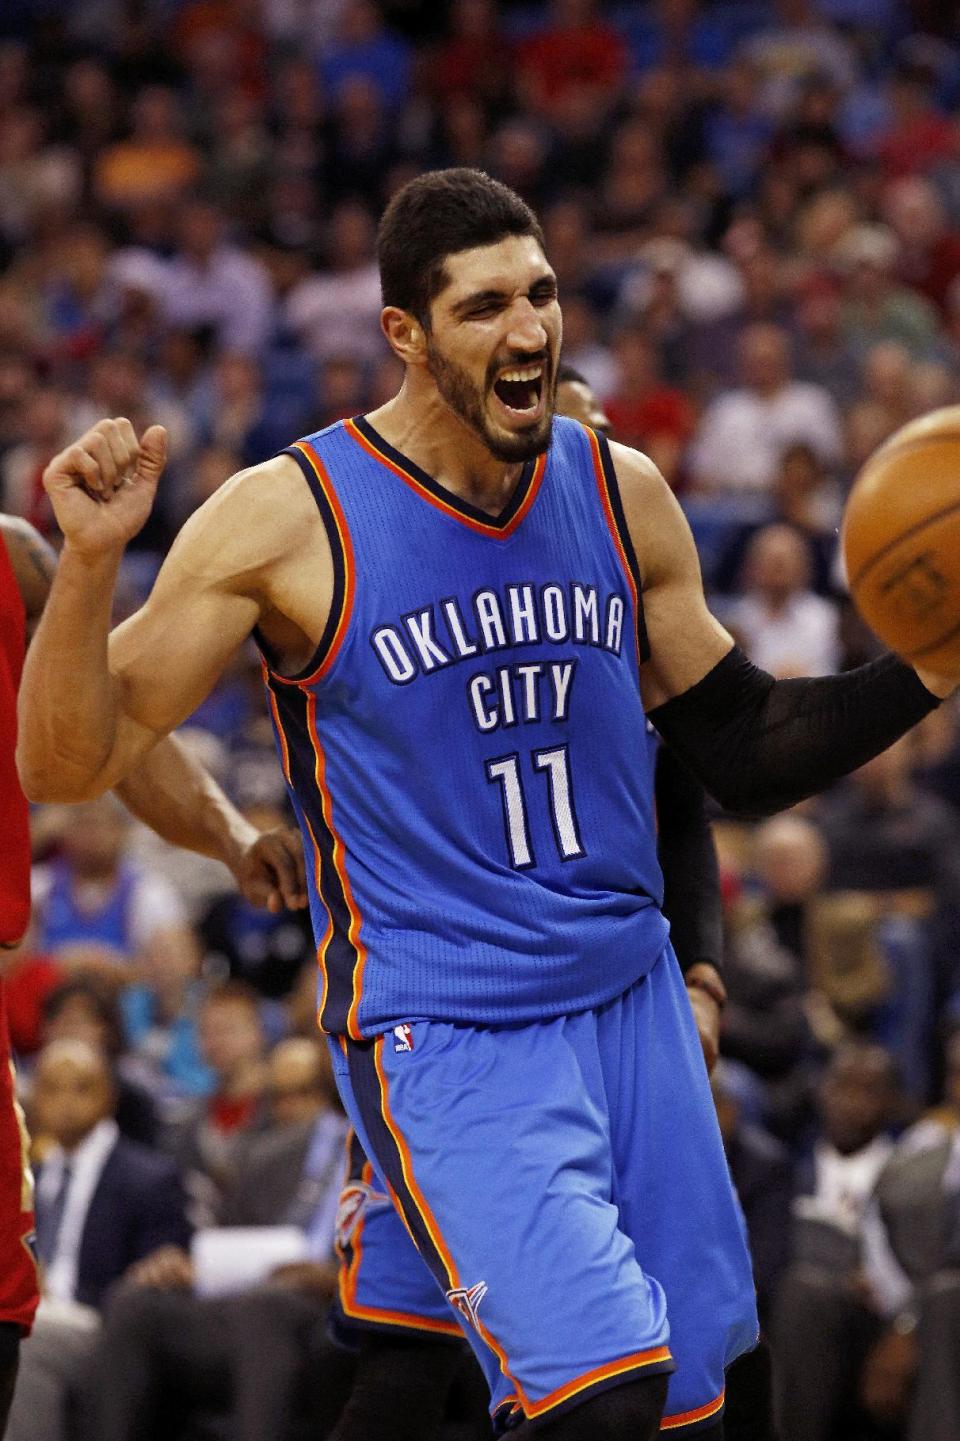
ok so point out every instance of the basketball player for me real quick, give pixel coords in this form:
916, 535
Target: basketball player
466, 607
387, 1308
173, 794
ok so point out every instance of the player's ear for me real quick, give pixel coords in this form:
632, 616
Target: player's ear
405, 335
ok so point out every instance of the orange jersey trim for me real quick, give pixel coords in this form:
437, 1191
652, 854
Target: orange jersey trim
495, 531
278, 723
636, 1362
687, 1418
349, 566
328, 932
614, 532
339, 851
426, 1215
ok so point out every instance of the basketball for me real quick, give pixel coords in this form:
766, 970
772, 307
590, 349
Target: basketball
901, 541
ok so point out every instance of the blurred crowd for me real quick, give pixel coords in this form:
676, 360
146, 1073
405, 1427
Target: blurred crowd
754, 213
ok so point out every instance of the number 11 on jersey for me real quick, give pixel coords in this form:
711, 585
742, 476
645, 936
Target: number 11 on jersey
554, 764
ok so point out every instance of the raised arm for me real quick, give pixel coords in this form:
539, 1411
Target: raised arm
92, 703
757, 744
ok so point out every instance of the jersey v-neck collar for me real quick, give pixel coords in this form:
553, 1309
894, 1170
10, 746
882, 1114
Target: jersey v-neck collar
430, 490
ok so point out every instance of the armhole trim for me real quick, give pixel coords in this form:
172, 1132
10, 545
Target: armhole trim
609, 488
344, 570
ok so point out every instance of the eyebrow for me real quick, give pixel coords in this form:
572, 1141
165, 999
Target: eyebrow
481, 297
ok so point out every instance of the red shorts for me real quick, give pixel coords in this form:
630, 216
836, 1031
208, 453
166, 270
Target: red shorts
19, 1290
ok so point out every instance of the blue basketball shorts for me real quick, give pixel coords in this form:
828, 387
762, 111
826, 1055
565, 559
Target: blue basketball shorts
566, 1186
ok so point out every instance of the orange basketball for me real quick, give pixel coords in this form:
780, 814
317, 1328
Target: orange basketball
901, 541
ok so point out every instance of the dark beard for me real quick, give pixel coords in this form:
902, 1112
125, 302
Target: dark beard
463, 398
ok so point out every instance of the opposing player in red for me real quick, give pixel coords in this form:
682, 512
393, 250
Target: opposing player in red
175, 796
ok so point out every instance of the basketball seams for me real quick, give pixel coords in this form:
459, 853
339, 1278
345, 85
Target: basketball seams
907, 534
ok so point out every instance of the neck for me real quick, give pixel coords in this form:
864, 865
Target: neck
420, 424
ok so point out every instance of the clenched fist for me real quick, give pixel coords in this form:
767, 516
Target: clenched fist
102, 487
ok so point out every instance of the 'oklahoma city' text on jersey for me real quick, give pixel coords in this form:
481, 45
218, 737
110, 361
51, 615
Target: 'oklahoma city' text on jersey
465, 750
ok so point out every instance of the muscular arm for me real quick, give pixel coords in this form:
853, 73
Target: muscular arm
757, 744
94, 703
168, 789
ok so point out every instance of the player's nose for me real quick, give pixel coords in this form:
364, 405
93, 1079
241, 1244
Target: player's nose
527, 331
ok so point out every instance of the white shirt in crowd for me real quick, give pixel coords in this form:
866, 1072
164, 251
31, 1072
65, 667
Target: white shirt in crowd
86, 1164
742, 435
338, 314
802, 638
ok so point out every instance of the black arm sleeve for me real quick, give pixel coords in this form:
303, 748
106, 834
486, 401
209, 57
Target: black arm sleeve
760, 745
688, 857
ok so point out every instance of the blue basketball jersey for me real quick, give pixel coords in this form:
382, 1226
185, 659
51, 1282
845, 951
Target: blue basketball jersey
465, 750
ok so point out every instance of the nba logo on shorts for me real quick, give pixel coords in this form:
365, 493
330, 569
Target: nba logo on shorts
402, 1039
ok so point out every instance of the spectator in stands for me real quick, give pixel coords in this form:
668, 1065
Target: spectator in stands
155, 161
929, 256
102, 1204
46, 421
843, 1281
804, 498
210, 282
364, 48
165, 1348
92, 907
644, 412
825, 356
919, 1196
762, 1171
743, 433
876, 307
902, 846
473, 59
798, 48
765, 1026
206, 1137
82, 1009
337, 312
160, 1019
919, 135
784, 627
576, 49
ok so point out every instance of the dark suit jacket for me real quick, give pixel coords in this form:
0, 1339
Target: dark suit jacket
762, 1173
138, 1206
269, 1169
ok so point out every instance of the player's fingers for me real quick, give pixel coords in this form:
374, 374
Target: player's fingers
123, 452
95, 443
153, 452
287, 874
71, 465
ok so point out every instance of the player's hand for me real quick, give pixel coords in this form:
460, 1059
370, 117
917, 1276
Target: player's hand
705, 1005
168, 1269
102, 487
270, 871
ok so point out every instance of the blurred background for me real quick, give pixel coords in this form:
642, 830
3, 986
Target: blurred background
754, 213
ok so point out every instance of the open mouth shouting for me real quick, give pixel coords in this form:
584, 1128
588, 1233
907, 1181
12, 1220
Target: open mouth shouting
521, 390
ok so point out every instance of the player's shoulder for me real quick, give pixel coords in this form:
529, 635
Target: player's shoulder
637, 476
658, 531
262, 511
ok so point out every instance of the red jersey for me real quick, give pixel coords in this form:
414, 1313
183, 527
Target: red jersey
19, 1293
15, 852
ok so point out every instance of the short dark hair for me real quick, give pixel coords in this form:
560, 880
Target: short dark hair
569, 375
436, 215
